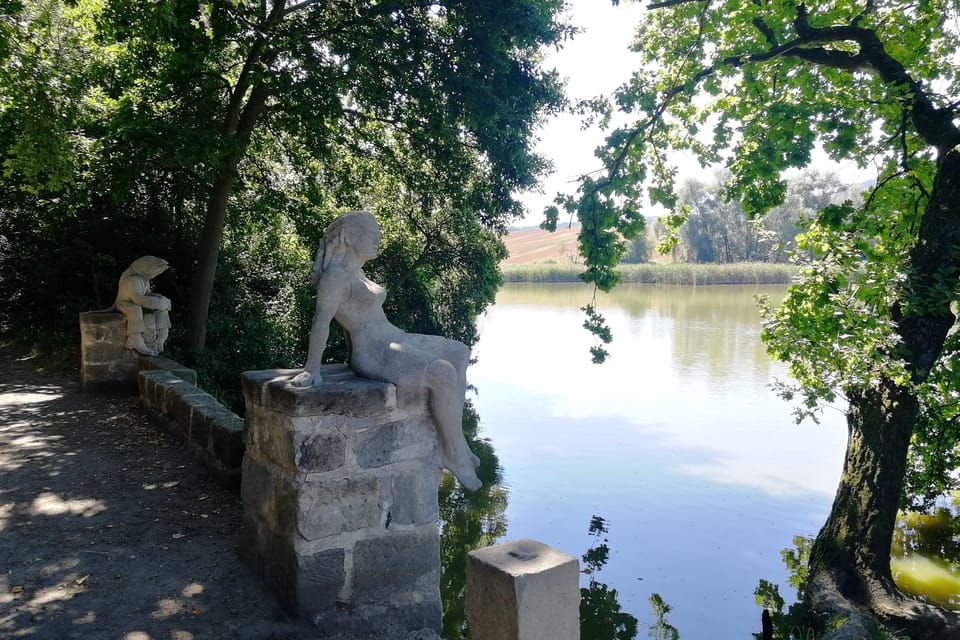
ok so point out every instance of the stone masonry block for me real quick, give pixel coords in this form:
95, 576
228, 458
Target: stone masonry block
253, 384
336, 506
413, 493
154, 387
320, 580
320, 452
166, 364
383, 444
389, 567
341, 392
522, 590
269, 500
305, 585
226, 440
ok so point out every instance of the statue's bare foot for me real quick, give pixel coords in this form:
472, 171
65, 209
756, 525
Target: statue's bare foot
475, 460
136, 343
465, 473
305, 379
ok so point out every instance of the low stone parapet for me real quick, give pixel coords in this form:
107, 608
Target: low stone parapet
339, 491
213, 433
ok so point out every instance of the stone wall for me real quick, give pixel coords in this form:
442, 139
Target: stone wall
213, 433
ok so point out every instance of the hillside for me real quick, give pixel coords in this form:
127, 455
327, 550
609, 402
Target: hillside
527, 246
534, 245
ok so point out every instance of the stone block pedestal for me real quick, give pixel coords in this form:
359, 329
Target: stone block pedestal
523, 590
105, 364
339, 489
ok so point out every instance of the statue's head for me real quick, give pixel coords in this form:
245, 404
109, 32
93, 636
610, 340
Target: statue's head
356, 232
148, 266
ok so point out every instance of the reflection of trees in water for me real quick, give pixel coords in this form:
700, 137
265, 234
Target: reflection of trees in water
792, 623
925, 558
926, 553
601, 617
468, 521
714, 327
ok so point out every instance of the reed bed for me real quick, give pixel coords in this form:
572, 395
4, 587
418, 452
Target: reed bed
663, 274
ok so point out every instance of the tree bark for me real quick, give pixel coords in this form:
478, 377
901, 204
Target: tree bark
850, 561
208, 248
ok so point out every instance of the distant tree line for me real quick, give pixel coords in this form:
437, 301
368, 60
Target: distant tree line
718, 230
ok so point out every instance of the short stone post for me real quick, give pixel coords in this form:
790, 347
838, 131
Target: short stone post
339, 489
523, 590
105, 364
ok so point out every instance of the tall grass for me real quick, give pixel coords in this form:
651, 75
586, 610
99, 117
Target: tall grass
652, 273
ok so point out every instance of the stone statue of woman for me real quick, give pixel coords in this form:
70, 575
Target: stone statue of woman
379, 350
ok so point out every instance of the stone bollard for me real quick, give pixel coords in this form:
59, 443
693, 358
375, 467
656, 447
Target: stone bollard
105, 364
339, 490
523, 590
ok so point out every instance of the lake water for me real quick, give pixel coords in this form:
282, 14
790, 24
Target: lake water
677, 441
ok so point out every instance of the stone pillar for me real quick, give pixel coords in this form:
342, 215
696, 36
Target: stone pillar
339, 490
104, 362
523, 590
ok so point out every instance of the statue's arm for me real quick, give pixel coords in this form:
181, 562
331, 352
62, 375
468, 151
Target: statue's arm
136, 289
331, 289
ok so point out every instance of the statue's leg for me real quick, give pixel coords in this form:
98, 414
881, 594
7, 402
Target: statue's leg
162, 317
135, 328
459, 356
446, 405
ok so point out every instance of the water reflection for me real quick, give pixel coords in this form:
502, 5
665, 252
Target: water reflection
677, 440
926, 554
468, 521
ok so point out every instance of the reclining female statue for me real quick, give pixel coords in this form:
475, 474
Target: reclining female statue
379, 350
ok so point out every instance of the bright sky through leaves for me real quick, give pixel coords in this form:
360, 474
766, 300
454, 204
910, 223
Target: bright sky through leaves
594, 63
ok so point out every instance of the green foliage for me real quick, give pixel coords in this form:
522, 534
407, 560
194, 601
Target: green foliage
756, 87
792, 624
661, 629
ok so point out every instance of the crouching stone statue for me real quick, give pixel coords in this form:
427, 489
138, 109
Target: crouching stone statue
134, 295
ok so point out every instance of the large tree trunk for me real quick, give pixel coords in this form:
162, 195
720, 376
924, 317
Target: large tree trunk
849, 571
208, 249
208, 252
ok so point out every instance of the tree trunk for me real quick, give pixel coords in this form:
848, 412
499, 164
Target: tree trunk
208, 249
208, 252
850, 561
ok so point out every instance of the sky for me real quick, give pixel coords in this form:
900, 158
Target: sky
596, 62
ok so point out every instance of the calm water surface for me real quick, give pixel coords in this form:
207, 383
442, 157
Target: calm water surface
677, 441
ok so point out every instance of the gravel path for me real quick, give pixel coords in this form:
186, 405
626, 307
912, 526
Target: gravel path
109, 529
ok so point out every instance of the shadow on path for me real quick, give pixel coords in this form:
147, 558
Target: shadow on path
109, 529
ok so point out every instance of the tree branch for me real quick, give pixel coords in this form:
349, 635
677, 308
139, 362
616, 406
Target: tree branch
300, 5
670, 3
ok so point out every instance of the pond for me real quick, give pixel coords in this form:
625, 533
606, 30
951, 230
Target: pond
677, 441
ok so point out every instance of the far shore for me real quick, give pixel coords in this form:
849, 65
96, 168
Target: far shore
660, 273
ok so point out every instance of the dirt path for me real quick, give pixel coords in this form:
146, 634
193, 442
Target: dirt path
109, 529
